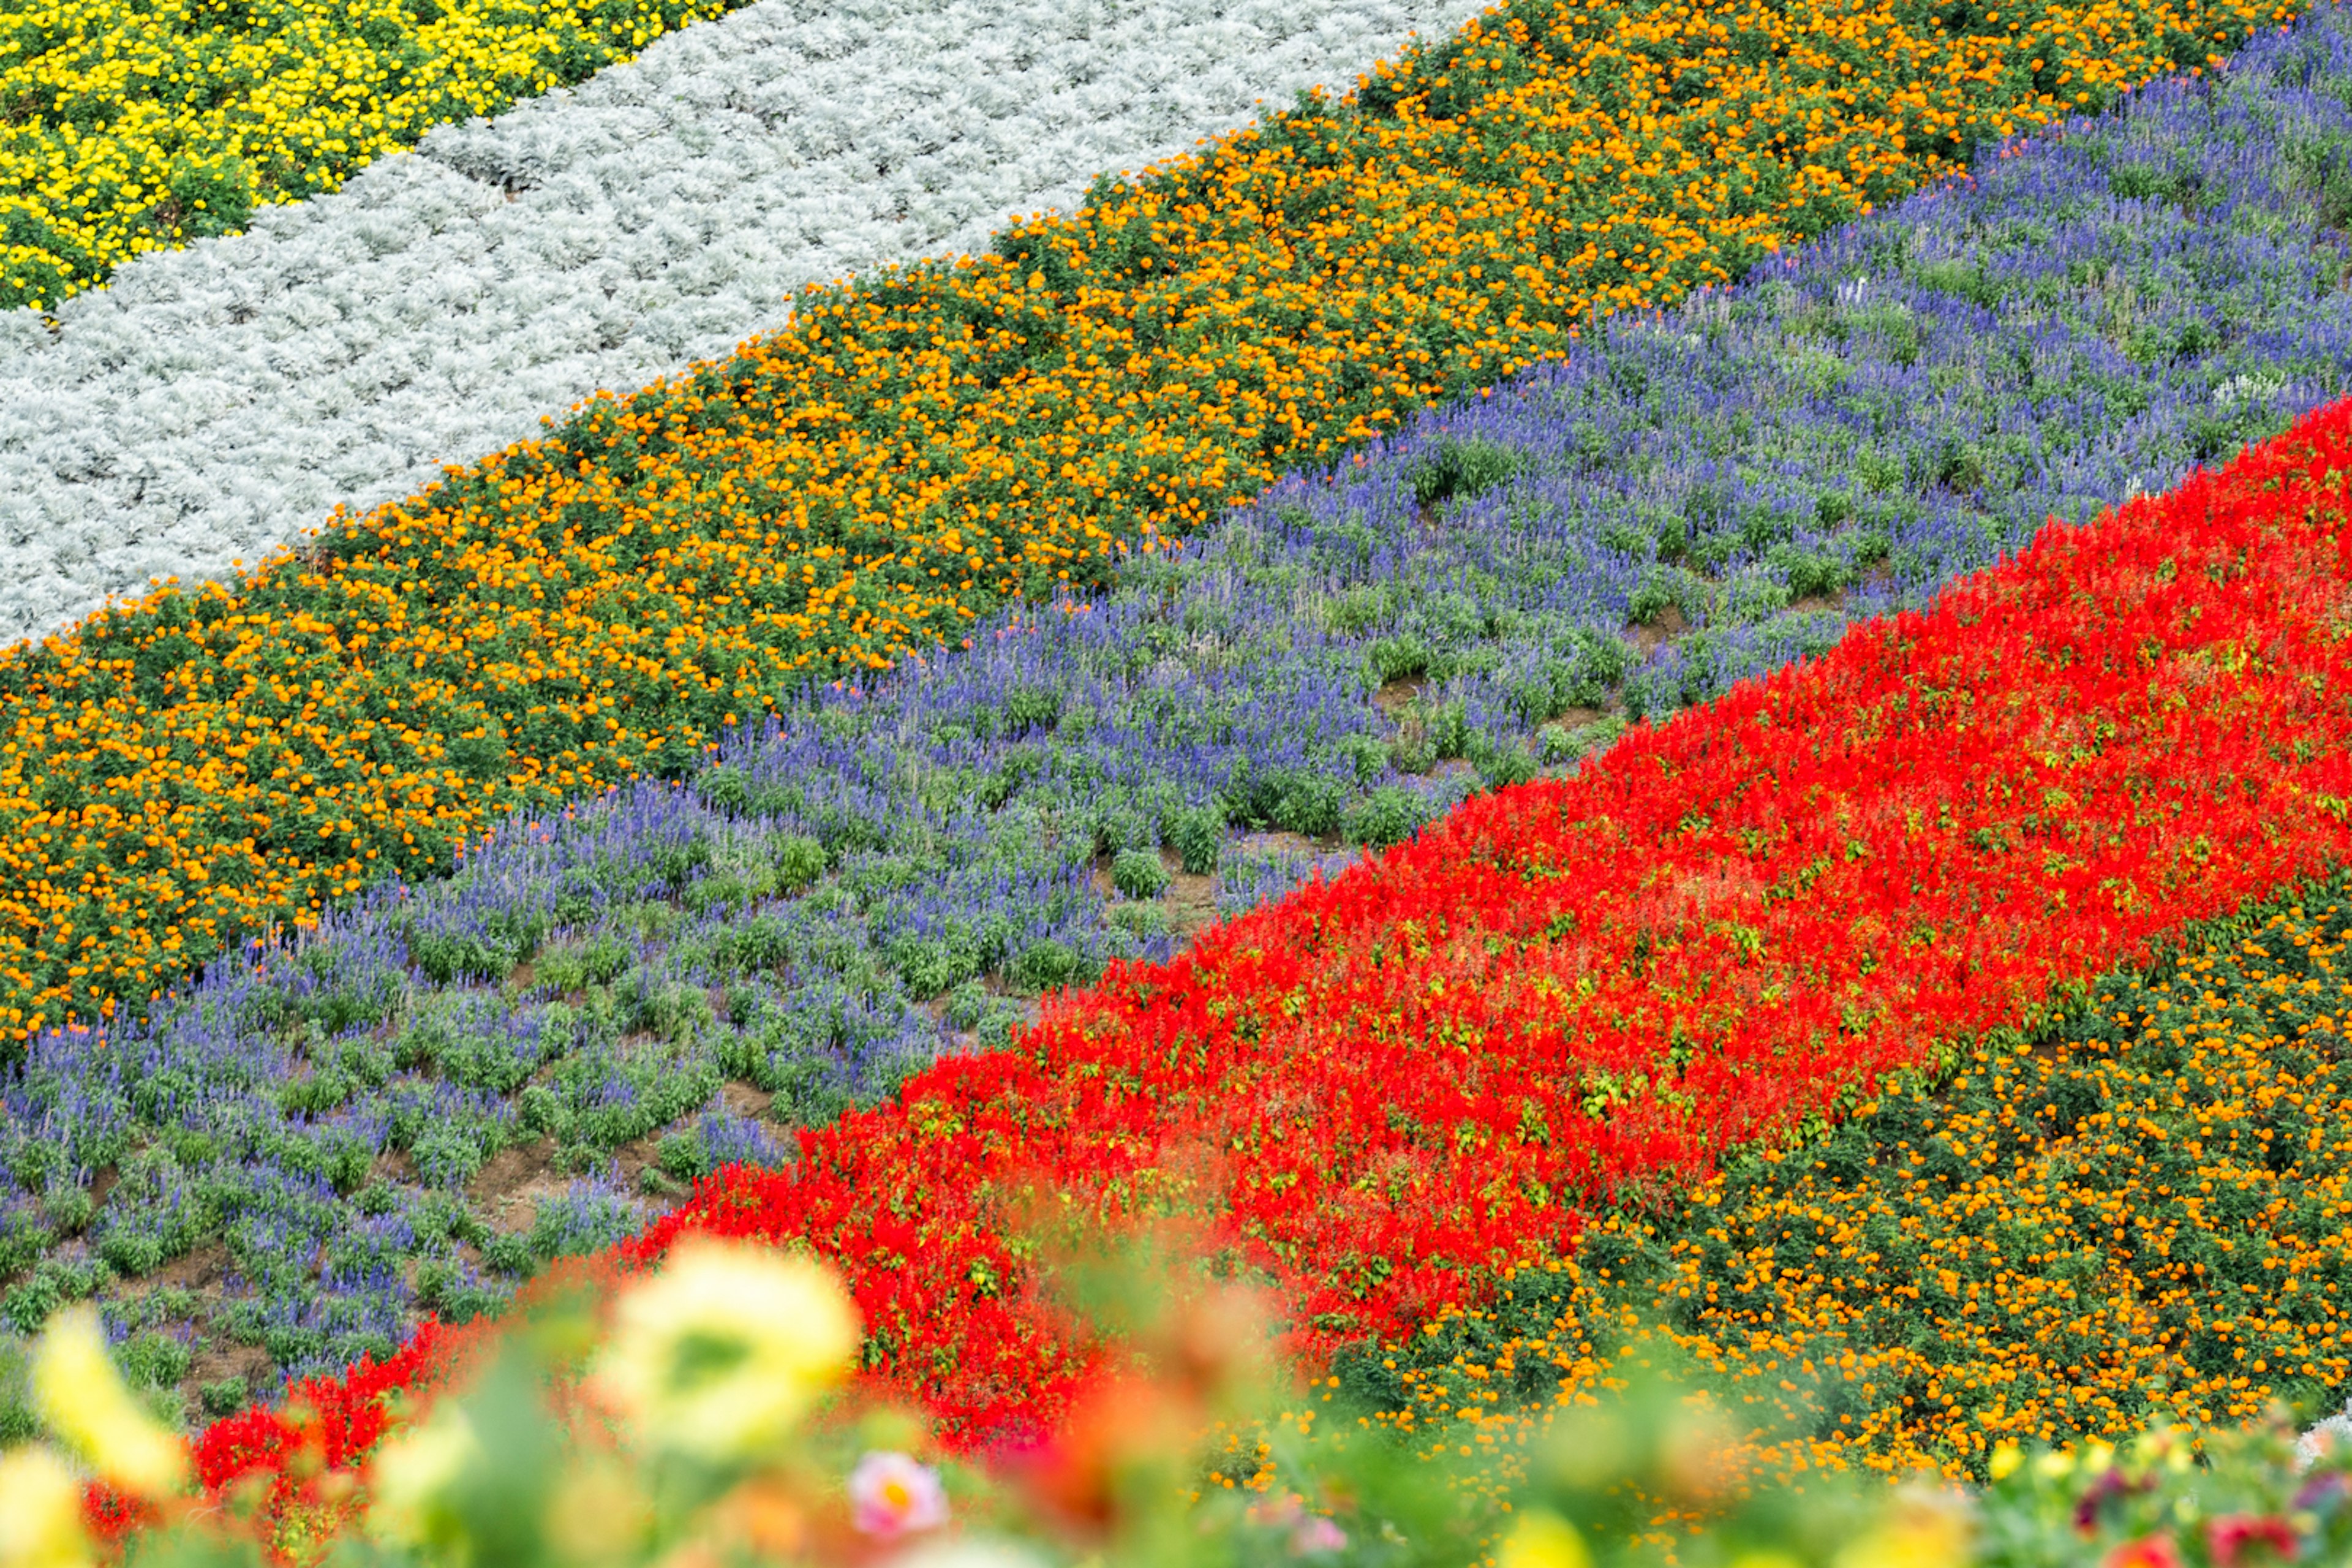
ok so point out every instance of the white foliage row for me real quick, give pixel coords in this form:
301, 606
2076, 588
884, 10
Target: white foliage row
218, 402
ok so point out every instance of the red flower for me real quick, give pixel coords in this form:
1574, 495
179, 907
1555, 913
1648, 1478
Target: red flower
2237, 1538
2148, 1551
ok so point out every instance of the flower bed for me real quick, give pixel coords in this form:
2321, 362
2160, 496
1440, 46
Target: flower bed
2133, 1216
218, 402
1392, 1087
1741, 920
386, 1120
137, 128
917, 446
426, 1099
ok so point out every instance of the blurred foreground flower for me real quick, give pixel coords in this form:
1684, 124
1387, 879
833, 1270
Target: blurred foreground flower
890, 1495
969, 1554
2241, 1538
722, 1352
83, 1401
1926, 1527
2148, 1551
412, 1475
40, 1512
1541, 1538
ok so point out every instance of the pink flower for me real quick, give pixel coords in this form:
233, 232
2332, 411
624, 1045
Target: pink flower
890, 1495
2234, 1534
1316, 1534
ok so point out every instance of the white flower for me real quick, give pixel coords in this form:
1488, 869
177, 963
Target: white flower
722, 1352
81, 1398
967, 1553
890, 1495
2247, 389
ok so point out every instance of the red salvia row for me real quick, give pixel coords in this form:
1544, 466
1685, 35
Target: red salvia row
1385, 1088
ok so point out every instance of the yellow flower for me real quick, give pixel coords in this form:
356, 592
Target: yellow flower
82, 1399
1542, 1539
40, 1512
411, 1476
596, 1512
723, 1351
1923, 1530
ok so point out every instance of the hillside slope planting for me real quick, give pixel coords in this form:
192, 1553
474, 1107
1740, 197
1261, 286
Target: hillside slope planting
2132, 1214
434, 1096
177, 775
133, 128
1732, 928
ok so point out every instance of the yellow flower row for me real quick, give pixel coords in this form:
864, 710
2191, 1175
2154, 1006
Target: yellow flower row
915, 448
137, 127
2152, 1217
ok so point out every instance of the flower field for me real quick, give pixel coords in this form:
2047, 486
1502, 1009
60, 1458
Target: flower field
428, 1102
2054, 815
218, 401
2058, 788
922, 444
1834, 779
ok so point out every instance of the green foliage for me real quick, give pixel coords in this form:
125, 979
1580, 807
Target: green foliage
1461, 468
1387, 815
1138, 874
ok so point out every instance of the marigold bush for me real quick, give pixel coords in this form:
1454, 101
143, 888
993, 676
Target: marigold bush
138, 127
918, 445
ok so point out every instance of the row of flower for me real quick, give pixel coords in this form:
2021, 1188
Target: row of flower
137, 128
217, 402
288, 1166
915, 446
1735, 926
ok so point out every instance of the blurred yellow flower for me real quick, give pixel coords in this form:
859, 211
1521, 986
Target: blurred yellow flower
1542, 1539
83, 1401
598, 1512
411, 1476
721, 1353
1925, 1528
40, 1512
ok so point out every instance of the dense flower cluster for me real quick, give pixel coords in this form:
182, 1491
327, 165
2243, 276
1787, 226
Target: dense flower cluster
139, 127
2058, 788
2135, 1216
917, 446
